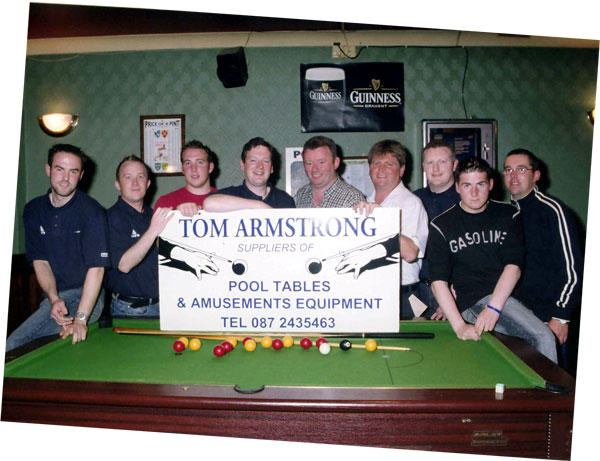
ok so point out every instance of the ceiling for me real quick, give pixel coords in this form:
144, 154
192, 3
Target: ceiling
61, 21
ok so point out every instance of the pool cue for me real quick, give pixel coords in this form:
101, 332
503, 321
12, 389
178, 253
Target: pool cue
358, 248
399, 335
222, 335
362, 346
175, 334
196, 250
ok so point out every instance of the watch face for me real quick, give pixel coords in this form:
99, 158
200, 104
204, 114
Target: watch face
81, 316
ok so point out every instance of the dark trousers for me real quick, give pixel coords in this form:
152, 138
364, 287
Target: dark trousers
426, 295
406, 312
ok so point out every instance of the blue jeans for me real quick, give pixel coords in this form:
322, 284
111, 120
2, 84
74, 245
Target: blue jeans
40, 323
519, 321
120, 308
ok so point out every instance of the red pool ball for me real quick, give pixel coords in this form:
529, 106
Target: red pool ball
219, 350
178, 346
227, 346
277, 344
320, 341
305, 343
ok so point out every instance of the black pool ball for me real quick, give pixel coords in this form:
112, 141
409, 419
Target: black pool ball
314, 267
345, 345
238, 268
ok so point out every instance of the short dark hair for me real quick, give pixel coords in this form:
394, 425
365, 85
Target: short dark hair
535, 162
132, 158
255, 142
69, 149
195, 144
472, 165
440, 143
321, 141
388, 146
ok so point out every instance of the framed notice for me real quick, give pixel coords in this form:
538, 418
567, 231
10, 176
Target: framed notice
354, 170
295, 176
356, 173
161, 139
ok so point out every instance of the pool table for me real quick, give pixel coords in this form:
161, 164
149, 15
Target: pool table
439, 395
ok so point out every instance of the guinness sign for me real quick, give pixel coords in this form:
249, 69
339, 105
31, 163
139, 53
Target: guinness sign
352, 97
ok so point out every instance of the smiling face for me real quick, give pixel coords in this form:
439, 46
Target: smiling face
196, 170
133, 182
320, 166
257, 167
518, 183
439, 168
65, 173
474, 189
385, 172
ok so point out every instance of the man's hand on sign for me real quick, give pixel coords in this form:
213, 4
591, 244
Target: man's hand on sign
365, 208
189, 209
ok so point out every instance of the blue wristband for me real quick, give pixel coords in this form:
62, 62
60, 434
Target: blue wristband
498, 311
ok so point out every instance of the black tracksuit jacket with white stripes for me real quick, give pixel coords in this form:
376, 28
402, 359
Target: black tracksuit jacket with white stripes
551, 281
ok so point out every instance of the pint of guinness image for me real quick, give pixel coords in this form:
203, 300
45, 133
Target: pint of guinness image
323, 98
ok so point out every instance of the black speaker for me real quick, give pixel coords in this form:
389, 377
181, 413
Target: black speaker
231, 67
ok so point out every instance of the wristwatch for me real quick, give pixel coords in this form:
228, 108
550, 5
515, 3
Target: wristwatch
562, 321
81, 316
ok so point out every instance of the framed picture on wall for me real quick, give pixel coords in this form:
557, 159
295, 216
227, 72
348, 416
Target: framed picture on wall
354, 170
161, 138
356, 173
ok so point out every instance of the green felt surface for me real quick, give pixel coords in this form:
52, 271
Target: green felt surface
442, 362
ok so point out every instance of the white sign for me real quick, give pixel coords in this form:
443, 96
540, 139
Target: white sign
285, 270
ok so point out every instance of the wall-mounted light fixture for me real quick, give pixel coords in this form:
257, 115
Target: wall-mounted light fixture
590, 115
58, 124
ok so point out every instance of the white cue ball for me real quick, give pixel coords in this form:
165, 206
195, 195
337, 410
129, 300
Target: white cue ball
324, 348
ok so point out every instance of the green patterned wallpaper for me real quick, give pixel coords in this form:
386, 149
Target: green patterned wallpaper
538, 95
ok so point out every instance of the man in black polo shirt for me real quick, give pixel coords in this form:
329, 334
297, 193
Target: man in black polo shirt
65, 239
256, 191
132, 232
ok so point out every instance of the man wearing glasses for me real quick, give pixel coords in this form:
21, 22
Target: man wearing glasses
552, 276
476, 254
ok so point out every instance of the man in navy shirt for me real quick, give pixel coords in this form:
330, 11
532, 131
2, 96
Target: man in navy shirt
256, 190
65, 239
439, 162
132, 232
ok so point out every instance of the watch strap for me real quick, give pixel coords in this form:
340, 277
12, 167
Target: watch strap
81, 316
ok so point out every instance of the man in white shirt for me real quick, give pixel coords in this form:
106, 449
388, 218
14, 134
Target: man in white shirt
387, 162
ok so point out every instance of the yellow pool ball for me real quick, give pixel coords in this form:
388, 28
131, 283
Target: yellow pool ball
371, 345
195, 344
233, 341
288, 341
250, 345
266, 342
184, 341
